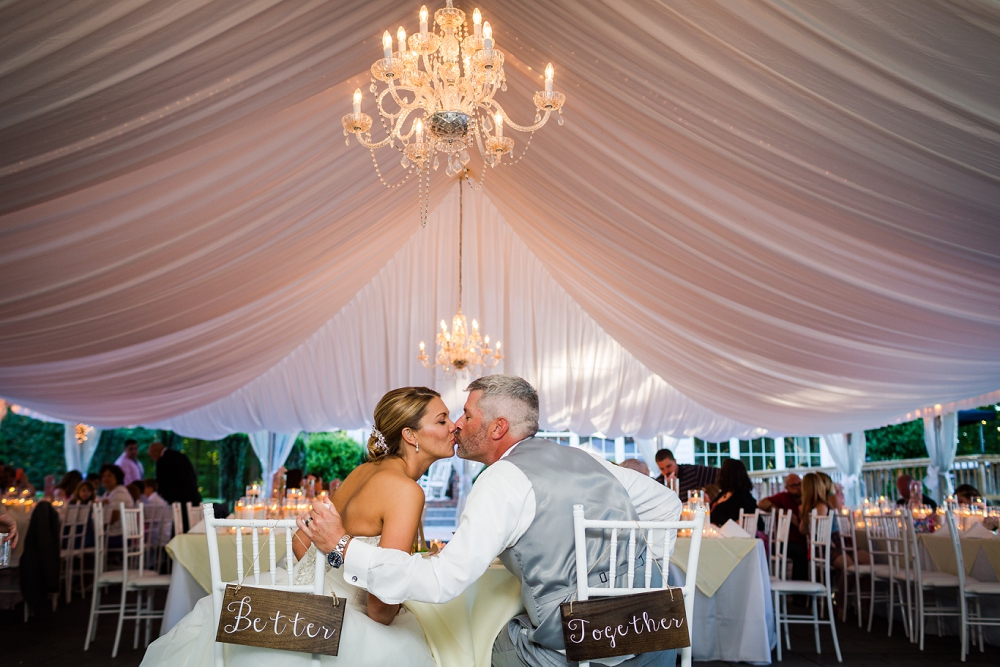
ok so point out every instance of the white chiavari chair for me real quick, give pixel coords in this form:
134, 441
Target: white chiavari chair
178, 515
158, 528
779, 544
853, 570
73, 534
971, 589
193, 515
585, 591
103, 579
929, 584
273, 576
136, 578
820, 528
748, 522
886, 544
768, 519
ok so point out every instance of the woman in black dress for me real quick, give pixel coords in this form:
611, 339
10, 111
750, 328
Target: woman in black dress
735, 486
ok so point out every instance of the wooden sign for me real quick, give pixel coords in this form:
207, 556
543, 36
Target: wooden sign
640, 623
279, 619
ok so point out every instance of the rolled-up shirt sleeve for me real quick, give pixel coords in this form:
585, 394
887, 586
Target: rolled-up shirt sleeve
499, 510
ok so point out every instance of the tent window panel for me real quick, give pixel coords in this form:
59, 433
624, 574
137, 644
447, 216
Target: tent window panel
802, 452
710, 453
631, 451
758, 454
560, 438
603, 446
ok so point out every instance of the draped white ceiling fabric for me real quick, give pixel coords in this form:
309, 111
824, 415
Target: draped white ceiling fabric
586, 381
785, 212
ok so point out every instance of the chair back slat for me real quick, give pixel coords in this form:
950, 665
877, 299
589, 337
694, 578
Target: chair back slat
256, 561
614, 560
956, 545
133, 539
768, 519
176, 509
239, 553
748, 522
779, 545
631, 558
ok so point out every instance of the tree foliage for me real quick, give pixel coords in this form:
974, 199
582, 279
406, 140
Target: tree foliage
34, 445
331, 454
898, 441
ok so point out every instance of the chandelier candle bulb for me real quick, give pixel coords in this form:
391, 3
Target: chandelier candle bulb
357, 101
487, 36
418, 126
548, 77
477, 22
499, 123
423, 19
401, 38
387, 45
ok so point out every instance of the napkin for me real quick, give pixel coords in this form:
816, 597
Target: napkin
942, 529
198, 528
733, 529
978, 530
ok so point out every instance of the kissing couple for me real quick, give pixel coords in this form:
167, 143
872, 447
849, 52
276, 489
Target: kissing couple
520, 509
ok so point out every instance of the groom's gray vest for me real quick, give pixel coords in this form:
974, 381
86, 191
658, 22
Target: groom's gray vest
544, 559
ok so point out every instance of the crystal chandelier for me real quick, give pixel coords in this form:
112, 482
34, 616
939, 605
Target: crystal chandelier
461, 349
450, 97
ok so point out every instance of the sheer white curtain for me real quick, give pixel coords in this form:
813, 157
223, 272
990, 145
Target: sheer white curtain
647, 450
848, 452
78, 455
941, 439
272, 449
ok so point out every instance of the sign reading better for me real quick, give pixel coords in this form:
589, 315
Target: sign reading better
278, 619
640, 623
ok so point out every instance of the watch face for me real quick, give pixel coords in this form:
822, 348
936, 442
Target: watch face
334, 559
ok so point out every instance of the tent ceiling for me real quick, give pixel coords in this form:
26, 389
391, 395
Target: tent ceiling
786, 210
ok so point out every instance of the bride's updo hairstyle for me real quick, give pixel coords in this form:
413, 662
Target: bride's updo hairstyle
400, 408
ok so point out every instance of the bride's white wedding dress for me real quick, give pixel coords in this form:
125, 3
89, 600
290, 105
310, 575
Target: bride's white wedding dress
191, 643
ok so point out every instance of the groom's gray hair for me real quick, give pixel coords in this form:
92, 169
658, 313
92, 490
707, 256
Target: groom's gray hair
510, 397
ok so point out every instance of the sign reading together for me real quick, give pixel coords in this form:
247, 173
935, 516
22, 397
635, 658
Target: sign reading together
640, 623
271, 618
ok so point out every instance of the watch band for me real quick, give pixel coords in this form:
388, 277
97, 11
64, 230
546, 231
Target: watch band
336, 557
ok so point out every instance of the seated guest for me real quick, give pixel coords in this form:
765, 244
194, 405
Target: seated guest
115, 491
966, 494
637, 465
790, 499
711, 492
689, 477
735, 487
67, 485
135, 490
84, 493
150, 496
903, 485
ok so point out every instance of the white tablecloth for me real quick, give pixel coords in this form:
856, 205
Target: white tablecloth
737, 623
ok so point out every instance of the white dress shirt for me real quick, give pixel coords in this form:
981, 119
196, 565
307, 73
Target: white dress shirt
132, 469
499, 511
153, 500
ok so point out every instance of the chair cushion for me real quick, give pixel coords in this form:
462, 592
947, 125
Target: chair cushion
788, 586
880, 570
982, 587
150, 580
115, 576
864, 568
938, 580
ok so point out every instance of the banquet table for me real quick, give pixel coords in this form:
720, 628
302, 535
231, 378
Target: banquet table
733, 619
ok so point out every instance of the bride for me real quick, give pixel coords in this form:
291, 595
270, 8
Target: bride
381, 501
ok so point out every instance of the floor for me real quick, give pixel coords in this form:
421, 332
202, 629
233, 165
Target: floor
58, 642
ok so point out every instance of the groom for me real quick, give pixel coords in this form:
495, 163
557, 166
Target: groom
520, 509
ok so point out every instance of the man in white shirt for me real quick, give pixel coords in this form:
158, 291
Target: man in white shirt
150, 496
129, 462
501, 519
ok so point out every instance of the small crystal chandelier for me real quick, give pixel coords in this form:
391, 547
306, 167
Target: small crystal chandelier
461, 350
451, 98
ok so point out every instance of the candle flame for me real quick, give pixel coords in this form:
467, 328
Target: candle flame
386, 40
549, 72
423, 13
487, 31
357, 96
477, 16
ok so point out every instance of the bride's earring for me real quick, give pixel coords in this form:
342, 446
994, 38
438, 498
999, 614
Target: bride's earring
418, 446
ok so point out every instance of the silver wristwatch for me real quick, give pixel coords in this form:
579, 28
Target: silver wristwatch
336, 557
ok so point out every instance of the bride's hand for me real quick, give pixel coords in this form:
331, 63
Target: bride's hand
323, 526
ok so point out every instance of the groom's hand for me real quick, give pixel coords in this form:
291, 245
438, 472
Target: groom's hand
323, 526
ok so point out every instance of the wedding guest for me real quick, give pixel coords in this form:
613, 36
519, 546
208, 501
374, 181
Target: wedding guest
135, 490
712, 492
129, 462
115, 491
150, 496
84, 493
790, 499
903, 485
67, 485
735, 487
689, 477
176, 477
966, 494
637, 465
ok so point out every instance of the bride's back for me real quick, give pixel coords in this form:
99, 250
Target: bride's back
376, 493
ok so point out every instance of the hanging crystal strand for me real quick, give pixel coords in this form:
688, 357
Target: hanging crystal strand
382, 179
